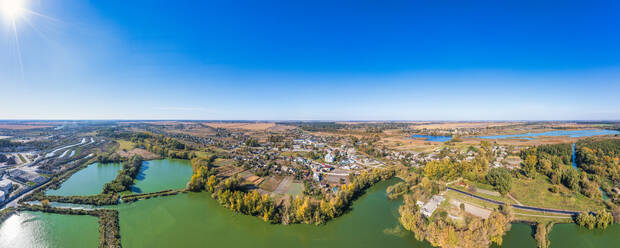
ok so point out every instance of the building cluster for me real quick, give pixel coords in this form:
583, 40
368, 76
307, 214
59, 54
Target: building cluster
25, 177
500, 154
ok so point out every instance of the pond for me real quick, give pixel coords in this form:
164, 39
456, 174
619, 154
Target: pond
88, 181
433, 137
158, 175
568, 133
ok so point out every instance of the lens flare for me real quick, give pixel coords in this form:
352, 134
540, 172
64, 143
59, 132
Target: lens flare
12, 9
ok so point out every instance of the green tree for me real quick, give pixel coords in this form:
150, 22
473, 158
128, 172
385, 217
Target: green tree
501, 179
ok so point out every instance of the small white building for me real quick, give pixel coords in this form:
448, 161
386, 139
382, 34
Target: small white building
316, 177
2, 196
5, 186
432, 205
329, 158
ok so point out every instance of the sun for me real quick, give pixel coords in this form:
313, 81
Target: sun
12, 9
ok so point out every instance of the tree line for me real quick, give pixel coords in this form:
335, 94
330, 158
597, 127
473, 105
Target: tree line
125, 178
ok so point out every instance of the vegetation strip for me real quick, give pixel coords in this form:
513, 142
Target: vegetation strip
135, 197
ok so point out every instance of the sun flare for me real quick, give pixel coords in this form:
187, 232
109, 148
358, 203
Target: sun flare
12, 9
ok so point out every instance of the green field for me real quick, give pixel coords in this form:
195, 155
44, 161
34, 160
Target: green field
21, 157
295, 189
125, 145
535, 192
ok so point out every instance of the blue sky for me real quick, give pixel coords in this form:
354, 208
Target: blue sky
315, 60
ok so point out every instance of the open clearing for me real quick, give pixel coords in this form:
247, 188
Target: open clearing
247, 126
472, 209
535, 192
295, 189
138, 151
125, 145
271, 183
284, 186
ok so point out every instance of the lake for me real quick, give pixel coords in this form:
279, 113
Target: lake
162, 174
88, 181
433, 137
569, 133
196, 220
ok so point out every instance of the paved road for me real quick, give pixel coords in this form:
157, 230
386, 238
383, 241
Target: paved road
15, 201
523, 207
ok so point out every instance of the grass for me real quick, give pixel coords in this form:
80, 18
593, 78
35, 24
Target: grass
125, 145
535, 192
295, 189
21, 157
517, 217
497, 198
451, 194
481, 185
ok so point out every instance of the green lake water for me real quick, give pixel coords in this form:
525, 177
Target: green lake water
196, 220
158, 175
571, 235
88, 181
520, 235
35, 229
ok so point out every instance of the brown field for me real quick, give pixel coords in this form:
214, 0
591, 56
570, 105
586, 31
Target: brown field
451, 125
246, 125
195, 131
138, 151
271, 183
255, 180
227, 170
250, 126
403, 143
22, 127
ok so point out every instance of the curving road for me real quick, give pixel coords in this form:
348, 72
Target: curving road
523, 207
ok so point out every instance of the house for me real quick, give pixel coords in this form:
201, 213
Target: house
432, 205
2, 196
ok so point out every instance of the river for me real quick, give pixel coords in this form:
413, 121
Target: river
196, 220
434, 138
